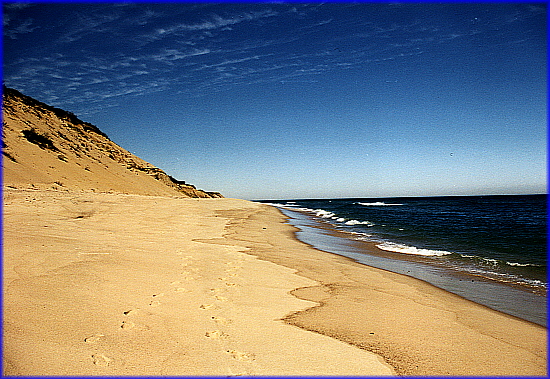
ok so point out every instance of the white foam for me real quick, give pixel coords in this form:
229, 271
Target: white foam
323, 214
487, 261
492, 261
506, 277
521, 264
327, 214
404, 249
355, 222
377, 204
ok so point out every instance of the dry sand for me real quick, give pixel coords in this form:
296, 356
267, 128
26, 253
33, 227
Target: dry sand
113, 284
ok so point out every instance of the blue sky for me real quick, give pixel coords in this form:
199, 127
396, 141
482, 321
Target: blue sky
289, 100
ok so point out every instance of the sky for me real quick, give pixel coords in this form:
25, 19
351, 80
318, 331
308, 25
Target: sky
293, 100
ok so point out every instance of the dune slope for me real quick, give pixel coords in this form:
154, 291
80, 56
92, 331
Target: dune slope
46, 147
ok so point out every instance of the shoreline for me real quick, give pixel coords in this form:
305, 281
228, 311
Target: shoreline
417, 328
510, 249
112, 284
511, 299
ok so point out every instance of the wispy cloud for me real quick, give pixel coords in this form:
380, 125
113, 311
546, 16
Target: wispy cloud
10, 11
197, 46
87, 24
132, 49
232, 62
22, 28
215, 22
171, 55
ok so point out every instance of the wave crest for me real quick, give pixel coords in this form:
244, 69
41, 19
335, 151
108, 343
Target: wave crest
404, 249
378, 204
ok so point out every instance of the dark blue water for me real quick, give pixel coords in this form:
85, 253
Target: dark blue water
500, 239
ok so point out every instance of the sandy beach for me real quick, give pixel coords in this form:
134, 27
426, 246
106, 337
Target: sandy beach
110, 284
416, 128
118, 284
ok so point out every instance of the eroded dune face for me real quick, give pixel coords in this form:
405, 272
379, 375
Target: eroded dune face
46, 147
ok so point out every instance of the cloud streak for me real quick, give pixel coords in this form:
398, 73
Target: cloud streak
23, 28
216, 22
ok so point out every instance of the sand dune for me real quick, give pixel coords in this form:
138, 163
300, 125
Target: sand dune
46, 147
111, 269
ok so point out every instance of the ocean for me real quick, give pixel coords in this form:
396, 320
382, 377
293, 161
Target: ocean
488, 249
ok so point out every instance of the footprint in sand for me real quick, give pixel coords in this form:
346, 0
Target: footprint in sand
187, 276
101, 360
233, 264
240, 356
156, 303
184, 258
93, 339
220, 298
130, 312
221, 320
127, 325
208, 306
216, 334
179, 289
229, 284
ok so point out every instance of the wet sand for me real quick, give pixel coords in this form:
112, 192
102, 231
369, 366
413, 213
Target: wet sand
525, 302
416, 327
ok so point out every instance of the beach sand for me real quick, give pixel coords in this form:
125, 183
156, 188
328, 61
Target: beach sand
114, 284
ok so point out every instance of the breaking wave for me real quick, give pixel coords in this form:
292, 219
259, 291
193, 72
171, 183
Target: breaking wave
377, 204
404, 249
